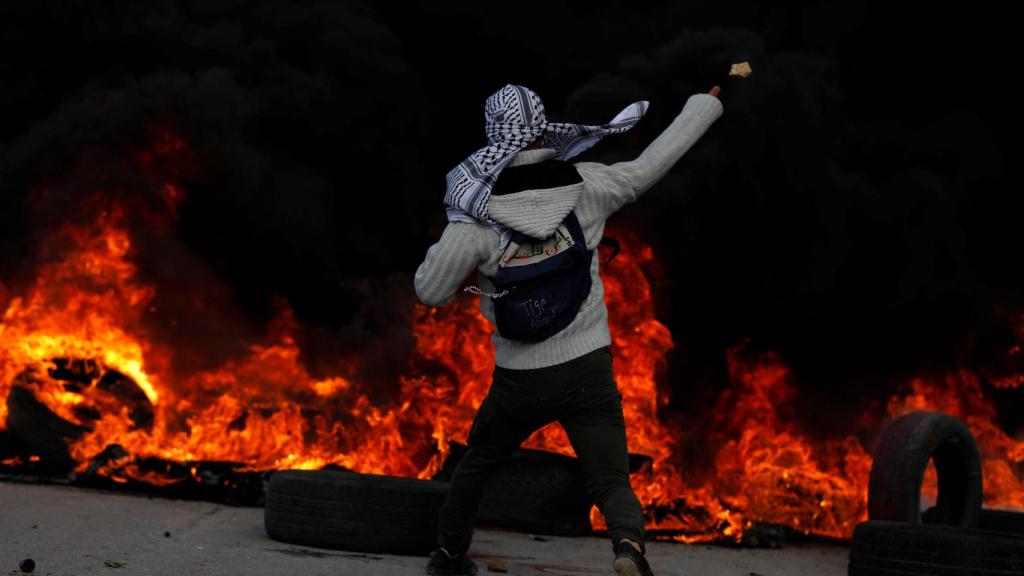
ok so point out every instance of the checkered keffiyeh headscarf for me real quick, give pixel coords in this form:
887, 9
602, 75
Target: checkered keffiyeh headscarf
514, 118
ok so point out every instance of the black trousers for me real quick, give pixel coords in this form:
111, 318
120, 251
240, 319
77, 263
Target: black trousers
582, 396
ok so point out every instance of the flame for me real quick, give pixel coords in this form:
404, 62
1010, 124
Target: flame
774, 473
88, 312
960, 394
1014, 377
51, 322
765, 470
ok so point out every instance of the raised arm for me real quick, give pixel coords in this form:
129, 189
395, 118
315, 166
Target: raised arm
463, 245
623, 182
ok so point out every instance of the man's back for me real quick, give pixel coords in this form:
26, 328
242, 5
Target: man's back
567, 377
533, 195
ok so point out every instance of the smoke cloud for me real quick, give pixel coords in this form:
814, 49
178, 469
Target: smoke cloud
850, 210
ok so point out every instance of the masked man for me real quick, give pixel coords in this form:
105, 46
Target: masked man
529, 222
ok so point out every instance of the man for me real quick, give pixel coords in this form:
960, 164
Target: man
566, 376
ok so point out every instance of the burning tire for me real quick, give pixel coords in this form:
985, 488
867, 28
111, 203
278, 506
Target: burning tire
40, 430
357, 512
901, 549
906, 445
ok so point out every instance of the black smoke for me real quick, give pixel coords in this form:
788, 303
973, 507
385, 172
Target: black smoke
855, 208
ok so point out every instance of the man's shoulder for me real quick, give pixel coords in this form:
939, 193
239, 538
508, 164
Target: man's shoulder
464, 233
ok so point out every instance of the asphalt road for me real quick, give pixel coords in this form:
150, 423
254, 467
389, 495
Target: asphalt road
72, 531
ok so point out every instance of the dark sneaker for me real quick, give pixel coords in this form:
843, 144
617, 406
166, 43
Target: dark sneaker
444, 564
630, 562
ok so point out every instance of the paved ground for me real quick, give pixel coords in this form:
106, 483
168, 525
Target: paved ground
83, 532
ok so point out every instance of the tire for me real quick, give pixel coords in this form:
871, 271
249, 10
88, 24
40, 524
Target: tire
8, 445
1008, 521
539, 494
40, 431
906, 445
534, 491
902, 549
357, 512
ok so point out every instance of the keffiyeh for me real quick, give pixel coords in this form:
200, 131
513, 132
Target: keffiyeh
514, 118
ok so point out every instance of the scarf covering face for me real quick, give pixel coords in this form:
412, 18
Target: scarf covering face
514, 118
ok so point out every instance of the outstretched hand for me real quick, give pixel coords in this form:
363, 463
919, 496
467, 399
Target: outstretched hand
715, 91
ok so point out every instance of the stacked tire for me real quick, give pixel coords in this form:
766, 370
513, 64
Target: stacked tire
956, 537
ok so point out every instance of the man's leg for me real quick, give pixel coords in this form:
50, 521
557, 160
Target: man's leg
596, 429
494, 436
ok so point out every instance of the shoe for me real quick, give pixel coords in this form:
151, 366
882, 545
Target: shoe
630, 562
444, 564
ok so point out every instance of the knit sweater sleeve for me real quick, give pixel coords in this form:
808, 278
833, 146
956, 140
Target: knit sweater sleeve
462, 247
623, 182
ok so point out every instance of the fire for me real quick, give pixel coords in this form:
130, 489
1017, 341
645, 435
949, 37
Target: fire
765, 470
772, 472
960, 394
262, 410
53, 323
81, 339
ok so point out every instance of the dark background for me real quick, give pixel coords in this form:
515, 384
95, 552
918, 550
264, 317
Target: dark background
855, 209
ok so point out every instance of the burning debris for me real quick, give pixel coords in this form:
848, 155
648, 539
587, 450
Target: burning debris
89, 393
85, 413
120, 364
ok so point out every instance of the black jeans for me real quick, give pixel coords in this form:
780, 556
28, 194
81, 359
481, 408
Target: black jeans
582, 396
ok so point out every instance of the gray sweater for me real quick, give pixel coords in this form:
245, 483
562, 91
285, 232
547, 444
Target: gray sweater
465, 246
